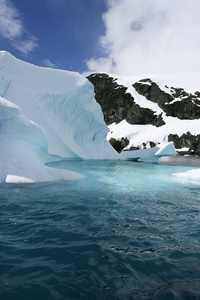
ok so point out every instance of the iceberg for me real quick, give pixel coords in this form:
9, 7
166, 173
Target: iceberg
24, 150
62, 103
150, 155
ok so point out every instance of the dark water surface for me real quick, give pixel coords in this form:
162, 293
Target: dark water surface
127, 231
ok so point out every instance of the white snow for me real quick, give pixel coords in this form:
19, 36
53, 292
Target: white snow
137, 134
139, 99
24, 150
188, 81
184, 149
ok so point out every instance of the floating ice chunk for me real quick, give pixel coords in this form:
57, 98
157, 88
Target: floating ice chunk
151, 154
166, 149
193, 174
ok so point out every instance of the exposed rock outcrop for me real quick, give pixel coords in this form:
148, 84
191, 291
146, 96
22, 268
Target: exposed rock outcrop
117, 104
187, 140
119, 145
175, 103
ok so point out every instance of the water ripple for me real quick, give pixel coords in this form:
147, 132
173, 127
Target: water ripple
106, 237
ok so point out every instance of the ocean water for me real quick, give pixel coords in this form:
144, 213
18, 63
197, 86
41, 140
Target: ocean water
127, 231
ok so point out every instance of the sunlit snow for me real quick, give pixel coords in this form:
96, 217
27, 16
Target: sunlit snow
139, 134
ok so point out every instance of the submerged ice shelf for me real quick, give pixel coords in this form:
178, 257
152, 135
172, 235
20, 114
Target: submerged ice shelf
49, 114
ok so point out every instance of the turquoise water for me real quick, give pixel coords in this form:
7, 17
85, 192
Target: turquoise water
127, 231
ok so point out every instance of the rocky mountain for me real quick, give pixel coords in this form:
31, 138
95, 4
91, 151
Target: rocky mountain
144, 112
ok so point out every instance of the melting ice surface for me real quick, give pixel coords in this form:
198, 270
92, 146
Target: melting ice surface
126, 231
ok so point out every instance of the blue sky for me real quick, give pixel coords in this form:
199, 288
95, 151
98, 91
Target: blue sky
63, 33
124, 37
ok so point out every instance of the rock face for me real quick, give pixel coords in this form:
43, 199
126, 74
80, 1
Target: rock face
118, 104
175, 103
119, 145
188, 141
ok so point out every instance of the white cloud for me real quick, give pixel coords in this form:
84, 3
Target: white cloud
48, 63
144, 36
26, 46
12, 28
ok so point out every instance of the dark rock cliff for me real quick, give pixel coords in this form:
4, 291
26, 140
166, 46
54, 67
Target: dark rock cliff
117, 104
187, 140
175, 103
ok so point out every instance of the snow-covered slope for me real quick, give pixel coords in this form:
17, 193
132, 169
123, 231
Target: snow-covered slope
190, 82
151, 109
62, 103
139, 135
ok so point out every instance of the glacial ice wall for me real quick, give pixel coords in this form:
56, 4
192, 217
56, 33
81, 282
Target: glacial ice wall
24, 149
62, 103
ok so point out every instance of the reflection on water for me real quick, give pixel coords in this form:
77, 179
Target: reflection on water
126, 231
188, 161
